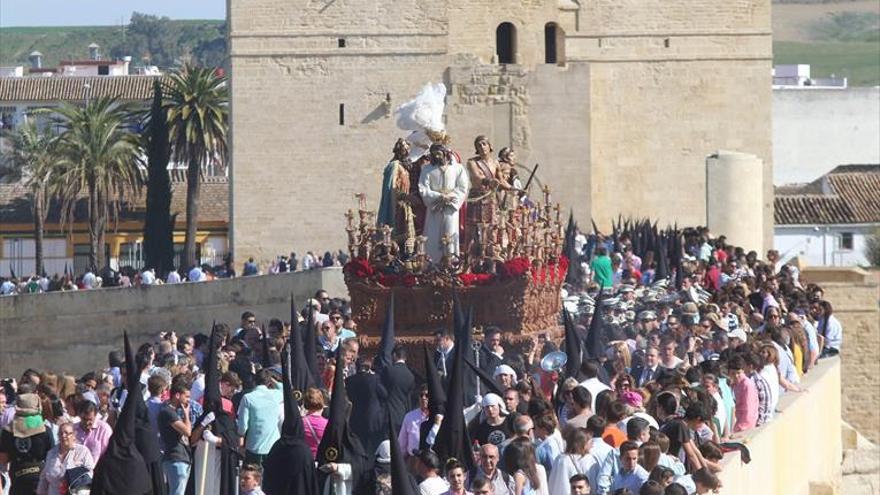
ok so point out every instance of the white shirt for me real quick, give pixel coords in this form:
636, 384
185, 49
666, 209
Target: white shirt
834, 332
595, 386
148, 277
567, 465
408, 438
434, 485
6, 288
196, 275
173, 277
88, 280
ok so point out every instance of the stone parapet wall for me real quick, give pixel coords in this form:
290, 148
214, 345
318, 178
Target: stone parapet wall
73, 331
799, 452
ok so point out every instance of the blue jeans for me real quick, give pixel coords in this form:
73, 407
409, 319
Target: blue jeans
176, 474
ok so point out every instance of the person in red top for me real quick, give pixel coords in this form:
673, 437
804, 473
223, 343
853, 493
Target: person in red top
745, 395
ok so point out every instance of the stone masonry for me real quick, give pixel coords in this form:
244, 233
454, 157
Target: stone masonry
642, 92
857, 306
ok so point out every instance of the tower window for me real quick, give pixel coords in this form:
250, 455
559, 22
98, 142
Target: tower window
554, 44
666, 43
505, 43
342, 114
846, 241
341, 42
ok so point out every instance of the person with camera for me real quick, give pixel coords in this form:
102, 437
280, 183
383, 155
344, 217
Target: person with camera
68, 467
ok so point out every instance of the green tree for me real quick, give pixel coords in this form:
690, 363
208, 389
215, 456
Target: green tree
872, 248
197, 101
31, 159
158, 226
99, 158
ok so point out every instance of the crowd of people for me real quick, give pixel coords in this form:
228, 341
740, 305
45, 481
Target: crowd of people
129, 277
665, 370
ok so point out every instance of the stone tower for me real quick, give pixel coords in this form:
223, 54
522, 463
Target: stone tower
620, 101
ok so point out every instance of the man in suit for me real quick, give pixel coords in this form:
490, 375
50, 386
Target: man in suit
399, 382
443, 354
648, 372
490, 358
366, 393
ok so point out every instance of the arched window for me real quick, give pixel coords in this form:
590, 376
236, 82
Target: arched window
554, 44
505, 43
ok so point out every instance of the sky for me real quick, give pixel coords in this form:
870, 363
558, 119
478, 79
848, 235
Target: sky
102, 12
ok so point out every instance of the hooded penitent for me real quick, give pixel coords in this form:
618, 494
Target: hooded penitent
453, 440
436, 398
224, 424
401, 481
568, 249
301, 376
122, 469
289, 468
595, 344
310, 345
573, 347
146, 439
386, 343
463, 322
339, 444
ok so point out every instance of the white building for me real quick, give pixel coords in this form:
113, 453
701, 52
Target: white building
828, 220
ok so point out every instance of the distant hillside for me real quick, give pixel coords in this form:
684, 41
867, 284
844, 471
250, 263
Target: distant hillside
157, 40
834, 37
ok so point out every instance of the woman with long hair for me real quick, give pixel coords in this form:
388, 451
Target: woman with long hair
519, 460
829, 327
575, 460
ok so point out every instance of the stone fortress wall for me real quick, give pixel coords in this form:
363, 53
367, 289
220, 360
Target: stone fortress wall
855, 296
643, 92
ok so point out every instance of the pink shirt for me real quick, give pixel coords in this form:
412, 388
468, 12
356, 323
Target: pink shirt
746, 395
318, 424
96, 439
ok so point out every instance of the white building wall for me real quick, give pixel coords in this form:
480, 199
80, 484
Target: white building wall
821, 244
19, 256
814, 130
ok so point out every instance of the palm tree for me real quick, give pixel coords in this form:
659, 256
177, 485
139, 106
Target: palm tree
99, 158
31, 159
197, 104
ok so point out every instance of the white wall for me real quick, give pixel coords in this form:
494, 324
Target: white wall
18, 254
821, 245
814, 130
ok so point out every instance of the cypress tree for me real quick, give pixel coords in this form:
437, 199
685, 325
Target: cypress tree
158, 227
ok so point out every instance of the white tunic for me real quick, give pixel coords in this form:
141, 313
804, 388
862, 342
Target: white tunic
441, 218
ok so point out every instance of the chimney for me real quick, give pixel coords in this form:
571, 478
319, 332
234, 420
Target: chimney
126, 60
36, 59
93, 52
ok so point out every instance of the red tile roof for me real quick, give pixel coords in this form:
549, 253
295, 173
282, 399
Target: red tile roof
65, 88
849, 194
15, 204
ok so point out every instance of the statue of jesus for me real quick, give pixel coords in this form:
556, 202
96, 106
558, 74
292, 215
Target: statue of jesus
443, 186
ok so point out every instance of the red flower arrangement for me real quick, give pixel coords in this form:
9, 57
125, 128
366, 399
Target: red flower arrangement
469, 279
394, 279
515, 267
358, 268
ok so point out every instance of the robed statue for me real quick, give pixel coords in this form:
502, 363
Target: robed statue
400, 201
443, 186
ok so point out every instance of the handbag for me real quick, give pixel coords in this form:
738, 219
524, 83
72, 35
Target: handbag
77, 478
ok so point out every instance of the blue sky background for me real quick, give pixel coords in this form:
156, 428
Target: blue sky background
102, 12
